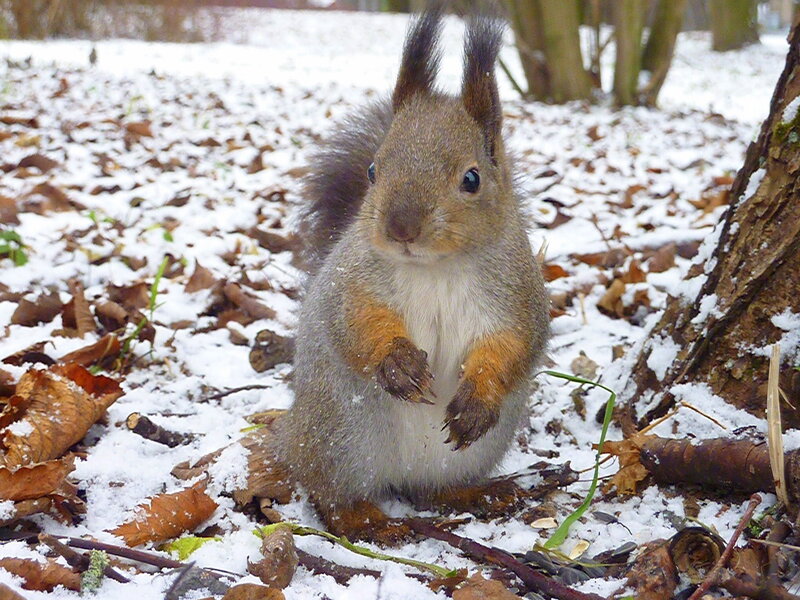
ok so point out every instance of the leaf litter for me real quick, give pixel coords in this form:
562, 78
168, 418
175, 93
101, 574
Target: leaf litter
110, 173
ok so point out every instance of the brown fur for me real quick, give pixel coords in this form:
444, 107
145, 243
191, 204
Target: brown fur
372, 328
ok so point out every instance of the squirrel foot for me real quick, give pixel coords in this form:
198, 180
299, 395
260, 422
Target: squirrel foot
499, 497
468, 416
365, 521
404, 372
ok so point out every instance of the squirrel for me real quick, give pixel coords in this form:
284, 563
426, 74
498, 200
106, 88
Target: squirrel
426, 313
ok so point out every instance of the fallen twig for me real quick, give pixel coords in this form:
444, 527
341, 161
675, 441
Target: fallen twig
766, 590
141, 556
244, 388
342, 574
143, 426
531, 578
77, 560
712, 576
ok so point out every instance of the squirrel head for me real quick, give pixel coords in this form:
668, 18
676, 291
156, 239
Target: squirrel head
440, 185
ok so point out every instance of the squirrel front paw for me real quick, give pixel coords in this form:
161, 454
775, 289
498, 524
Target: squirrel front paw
404, 371
468, 416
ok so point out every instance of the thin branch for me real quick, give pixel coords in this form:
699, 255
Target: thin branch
76, 559
531, 578
713, 575
236, 390
342, 574
141, 556
511, 78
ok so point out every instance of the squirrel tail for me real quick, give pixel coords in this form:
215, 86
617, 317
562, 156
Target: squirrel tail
337, 180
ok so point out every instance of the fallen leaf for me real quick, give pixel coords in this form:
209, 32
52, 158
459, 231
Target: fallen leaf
167, 516
583, 366
42, 576
663, 259
635, 274
41, 310
479, 588
631, 470
140, 128
253, 591
278, 560
34, 481
63, 403
38, 161
111, 315
250, 305
611, 302
552, 272
82, 317
653, 575
201, 279
108, 345
8, 211
131, 297
32, 354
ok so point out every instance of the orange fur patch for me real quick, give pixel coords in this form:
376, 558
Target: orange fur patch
372, 326
495, 365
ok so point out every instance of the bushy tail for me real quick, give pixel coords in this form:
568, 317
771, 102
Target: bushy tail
337, 182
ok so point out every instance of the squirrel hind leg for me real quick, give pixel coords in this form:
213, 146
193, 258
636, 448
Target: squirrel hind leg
364, 521
499, 497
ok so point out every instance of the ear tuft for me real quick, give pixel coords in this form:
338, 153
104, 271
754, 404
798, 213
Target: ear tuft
421, 55
479, 88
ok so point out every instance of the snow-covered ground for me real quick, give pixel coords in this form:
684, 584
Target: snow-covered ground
634, 179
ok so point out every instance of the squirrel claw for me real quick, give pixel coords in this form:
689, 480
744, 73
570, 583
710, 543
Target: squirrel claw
468, 417
404, 372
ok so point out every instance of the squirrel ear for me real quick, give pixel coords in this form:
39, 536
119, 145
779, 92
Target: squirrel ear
420, 56
479, 88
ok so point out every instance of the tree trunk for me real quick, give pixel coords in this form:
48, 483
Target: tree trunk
569, 79
734, 24
526, 21
628, 23
657, 54
749, 285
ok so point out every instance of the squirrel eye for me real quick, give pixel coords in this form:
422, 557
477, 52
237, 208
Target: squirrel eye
471, 182
371, 172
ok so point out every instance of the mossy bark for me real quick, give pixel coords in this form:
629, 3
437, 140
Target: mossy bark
752, 276
734, 24
569, 79
526, 20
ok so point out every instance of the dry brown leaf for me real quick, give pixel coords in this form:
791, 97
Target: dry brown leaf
83, 318
42, 310
631, 470
635, 273
140, 128
266, 477
108, 345
41, 576
7, 384
663, 259
38, 161
8, 211
479, 588
111, 315
609, 259
6, 593
653, 575
167, 516
32, 354
278, 560
130, 297
201, 279
250, 305
62, 403
253, 591
33, 481
552, 272
611, 302
45, 197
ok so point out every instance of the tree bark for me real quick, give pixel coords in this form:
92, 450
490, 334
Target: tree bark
628, 24
734, 24
748, 286
526, 21
569, 79
660, 47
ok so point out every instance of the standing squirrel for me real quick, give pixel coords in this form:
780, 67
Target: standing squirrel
427, 312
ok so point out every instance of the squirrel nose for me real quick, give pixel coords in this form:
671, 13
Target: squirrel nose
402, 227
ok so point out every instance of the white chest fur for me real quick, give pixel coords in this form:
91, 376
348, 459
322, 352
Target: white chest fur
444, 312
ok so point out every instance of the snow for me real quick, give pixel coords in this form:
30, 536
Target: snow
790, 112
281, 78
661, 357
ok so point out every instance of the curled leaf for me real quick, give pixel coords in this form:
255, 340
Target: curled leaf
166, 516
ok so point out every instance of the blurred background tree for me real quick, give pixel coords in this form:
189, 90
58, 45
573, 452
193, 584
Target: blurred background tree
734, 23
